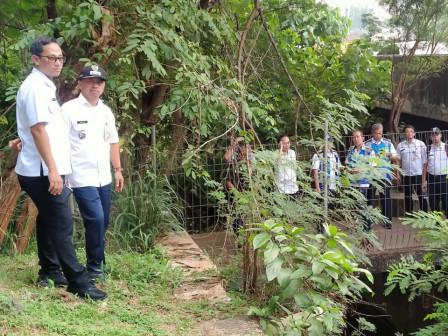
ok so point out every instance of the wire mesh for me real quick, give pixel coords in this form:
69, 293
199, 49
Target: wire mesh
201, 211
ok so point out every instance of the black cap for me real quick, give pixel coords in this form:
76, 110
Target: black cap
93, 71
436, 130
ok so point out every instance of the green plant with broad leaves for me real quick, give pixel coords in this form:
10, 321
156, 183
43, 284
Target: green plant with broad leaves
316, 275
310, 277
428, 277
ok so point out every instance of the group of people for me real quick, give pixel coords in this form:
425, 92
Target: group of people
63, 149
423, 169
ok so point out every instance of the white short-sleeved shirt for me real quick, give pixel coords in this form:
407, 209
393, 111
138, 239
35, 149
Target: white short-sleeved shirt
92, 130
37, 103
438, 160
334, 164
286, 177
412, 156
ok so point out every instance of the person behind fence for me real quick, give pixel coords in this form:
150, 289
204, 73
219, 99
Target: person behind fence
94, 147
385, 150
332, 172
437, 172
286, 177
42, 164
237, 157
412, 160
355, 154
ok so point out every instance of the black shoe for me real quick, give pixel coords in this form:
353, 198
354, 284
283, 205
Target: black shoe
388, 226
97, 276
87, 292
53, 279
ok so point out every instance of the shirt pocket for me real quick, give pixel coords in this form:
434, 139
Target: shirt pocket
54, 107
81, 129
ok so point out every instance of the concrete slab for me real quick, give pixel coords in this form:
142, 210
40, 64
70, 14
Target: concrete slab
186, 254
237, 326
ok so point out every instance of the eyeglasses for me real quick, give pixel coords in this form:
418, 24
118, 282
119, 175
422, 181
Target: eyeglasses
53, 59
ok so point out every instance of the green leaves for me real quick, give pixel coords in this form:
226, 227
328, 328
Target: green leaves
302, 300
261, 239
309, 268
273, 269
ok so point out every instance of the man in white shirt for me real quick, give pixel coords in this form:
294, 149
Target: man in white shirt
94, 146
412, 159
286, 177
385, 150
333, 165
437, 167
41, 166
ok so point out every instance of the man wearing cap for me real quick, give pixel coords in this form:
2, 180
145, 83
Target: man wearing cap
437, 168
332, 173
412, 159
94, 146
42, 163
385, 150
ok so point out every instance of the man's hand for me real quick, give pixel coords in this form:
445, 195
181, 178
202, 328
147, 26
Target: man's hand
16, 143
119, 181
56, 183
424, 186
398, 177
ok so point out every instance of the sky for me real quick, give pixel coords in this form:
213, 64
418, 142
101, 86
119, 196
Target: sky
345, 5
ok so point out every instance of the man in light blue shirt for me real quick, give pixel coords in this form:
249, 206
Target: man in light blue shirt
385, 150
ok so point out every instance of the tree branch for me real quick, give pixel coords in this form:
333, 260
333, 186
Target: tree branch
285, 69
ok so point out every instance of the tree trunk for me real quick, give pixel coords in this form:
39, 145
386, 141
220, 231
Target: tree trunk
9, 193
25, 224
177, 139
150, 101
52, 14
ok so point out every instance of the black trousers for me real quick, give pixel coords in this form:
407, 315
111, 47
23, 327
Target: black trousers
54, 230
366, 191
438, 191
413, 184
385, 200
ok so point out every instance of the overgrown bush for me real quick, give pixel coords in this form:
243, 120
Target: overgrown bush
310, 259
427, 277
146, 209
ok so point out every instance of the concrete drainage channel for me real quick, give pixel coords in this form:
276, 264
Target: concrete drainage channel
185, 253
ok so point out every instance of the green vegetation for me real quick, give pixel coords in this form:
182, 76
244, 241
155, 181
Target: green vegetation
146, 209
429, 277
198, 72
309, 278
414, 37
140, 301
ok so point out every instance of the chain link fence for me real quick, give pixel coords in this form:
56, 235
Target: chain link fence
201, 211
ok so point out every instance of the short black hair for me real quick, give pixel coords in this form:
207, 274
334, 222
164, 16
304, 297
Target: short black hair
281, 137
409, 126
38, 44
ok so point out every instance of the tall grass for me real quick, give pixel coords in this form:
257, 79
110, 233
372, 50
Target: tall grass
146, 209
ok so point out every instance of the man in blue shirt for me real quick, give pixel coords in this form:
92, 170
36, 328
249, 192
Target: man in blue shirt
385, 150
355, 154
